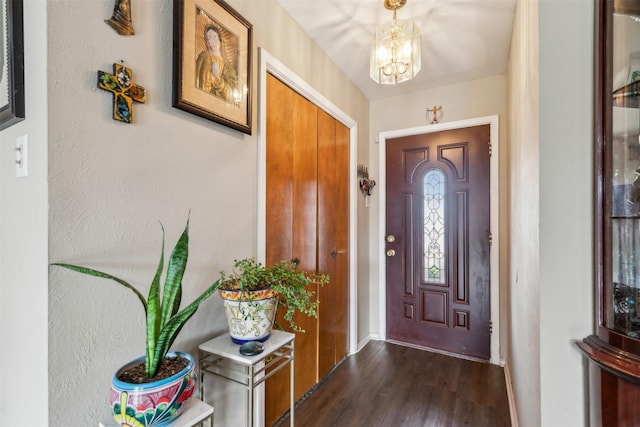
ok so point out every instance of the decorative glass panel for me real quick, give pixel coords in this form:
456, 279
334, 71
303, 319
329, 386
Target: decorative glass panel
623, 281
434, 226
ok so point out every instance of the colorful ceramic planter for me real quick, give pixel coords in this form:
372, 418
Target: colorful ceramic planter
154, 404
250, 315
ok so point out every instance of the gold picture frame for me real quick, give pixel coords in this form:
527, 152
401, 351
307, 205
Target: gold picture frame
212, 62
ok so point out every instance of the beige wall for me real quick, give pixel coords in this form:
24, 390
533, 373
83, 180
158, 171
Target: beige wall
523, 362
566, 205
110, 184
551, 300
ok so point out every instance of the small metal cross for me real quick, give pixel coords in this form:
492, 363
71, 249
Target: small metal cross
124, 91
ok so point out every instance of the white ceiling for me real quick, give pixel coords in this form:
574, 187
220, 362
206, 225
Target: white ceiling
461, 39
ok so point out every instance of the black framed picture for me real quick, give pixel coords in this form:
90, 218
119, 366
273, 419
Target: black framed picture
11, 63
212, 62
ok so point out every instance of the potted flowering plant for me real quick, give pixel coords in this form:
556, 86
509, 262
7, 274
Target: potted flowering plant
252, 293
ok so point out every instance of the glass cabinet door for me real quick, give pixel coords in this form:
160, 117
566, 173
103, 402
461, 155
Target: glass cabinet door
622, 170
613, 351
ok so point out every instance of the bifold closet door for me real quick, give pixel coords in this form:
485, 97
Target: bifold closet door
333, 241
307, 204
291, 225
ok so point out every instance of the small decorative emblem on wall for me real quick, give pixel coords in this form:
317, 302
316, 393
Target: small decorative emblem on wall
124, 91
121, 18
434, 115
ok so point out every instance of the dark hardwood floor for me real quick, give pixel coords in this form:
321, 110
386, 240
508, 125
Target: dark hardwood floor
392, 385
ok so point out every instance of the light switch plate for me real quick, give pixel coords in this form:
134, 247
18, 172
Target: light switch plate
22, 156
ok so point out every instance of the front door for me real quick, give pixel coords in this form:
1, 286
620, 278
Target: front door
438, 239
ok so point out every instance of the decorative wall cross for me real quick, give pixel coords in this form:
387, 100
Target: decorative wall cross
124, 91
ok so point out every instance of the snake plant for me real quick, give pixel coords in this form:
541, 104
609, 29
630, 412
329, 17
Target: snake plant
164, 321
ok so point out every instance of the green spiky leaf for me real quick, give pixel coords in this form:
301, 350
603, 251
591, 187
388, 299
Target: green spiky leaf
172, 328
163, 320
173, 282
153, 310
96, 273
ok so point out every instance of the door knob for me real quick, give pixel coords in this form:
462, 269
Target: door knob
334, 253
295, 262
391, 252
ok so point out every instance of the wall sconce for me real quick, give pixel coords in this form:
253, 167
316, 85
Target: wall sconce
434, 115
365, 184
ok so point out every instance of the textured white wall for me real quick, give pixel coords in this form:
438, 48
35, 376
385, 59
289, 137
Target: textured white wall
566, 205
551, 299
110, 184
23, 244
465, 100
524, 279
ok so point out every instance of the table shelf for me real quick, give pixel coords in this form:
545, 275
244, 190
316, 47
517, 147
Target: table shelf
248, 371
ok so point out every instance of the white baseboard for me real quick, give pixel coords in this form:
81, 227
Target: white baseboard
364, 341
512, 401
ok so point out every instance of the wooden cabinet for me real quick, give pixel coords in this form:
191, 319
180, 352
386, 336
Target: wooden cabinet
613, 351
307, 208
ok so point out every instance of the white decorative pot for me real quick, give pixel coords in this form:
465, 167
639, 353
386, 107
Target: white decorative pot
250, 314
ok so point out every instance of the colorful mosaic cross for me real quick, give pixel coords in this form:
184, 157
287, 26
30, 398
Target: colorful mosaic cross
124, 91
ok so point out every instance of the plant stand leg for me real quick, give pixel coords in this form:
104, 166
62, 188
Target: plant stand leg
292, 397
250, 396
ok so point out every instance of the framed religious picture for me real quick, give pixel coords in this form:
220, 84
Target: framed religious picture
11, 63
212, 62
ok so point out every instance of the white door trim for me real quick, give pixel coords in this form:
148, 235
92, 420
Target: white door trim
493, 123
267, 63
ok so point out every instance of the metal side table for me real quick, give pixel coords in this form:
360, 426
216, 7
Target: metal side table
249, 371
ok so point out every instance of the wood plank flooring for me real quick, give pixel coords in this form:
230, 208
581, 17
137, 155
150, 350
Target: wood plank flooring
392, 385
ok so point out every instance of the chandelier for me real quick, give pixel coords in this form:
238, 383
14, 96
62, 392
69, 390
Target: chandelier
395, 49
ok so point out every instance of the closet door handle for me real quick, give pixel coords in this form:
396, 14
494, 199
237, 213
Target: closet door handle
295, 261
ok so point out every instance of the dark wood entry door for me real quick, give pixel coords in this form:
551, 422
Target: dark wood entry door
438, 239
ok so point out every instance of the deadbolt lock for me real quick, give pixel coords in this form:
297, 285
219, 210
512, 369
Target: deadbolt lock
391, 238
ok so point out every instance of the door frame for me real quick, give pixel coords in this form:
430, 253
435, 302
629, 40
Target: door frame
494, 204
269, 64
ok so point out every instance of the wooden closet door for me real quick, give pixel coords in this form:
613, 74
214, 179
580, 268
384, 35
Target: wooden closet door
333, 241
307, 203
291, 208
